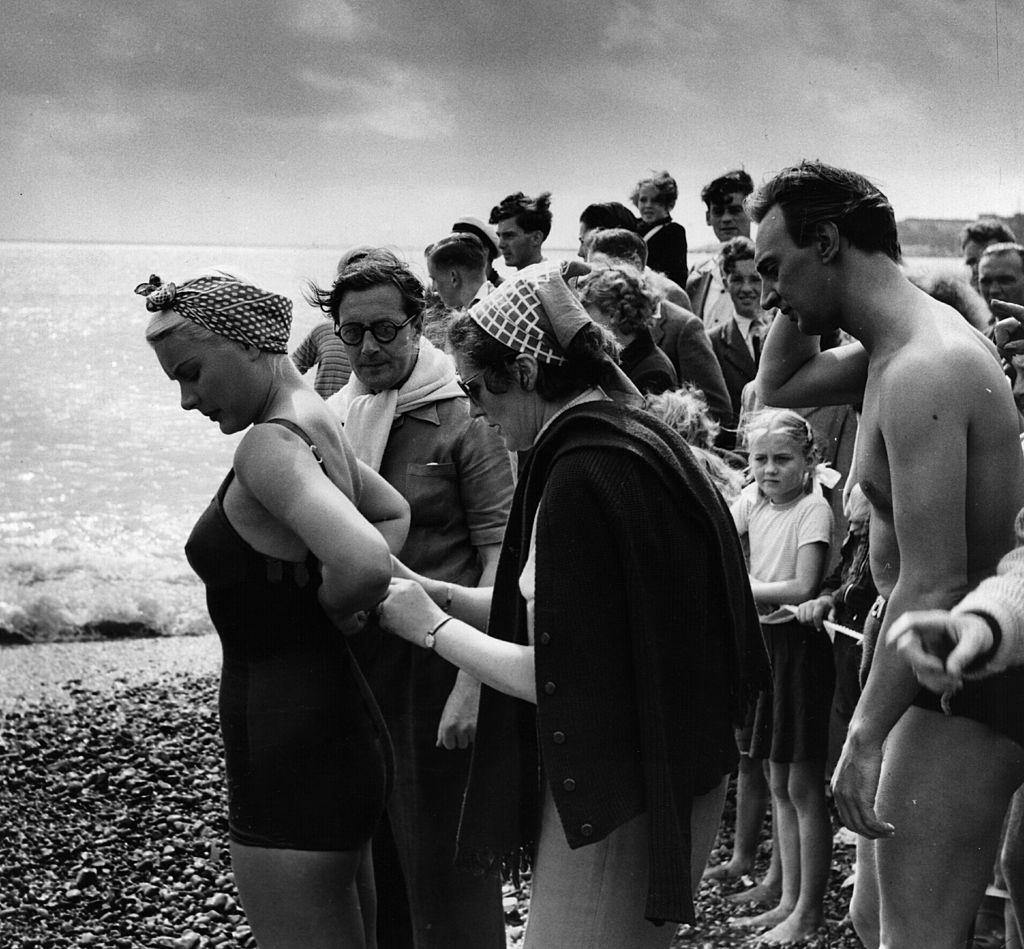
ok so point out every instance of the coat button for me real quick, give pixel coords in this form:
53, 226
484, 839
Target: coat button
545, 638
587, 830
549, 688
558, 738
569, 784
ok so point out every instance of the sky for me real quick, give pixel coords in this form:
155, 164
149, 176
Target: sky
333, 122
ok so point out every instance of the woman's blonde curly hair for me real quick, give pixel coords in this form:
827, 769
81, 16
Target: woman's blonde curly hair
622, 294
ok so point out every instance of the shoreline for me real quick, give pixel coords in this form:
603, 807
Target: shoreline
52, 672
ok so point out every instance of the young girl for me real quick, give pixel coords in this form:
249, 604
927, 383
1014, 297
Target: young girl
789, 525
686, 410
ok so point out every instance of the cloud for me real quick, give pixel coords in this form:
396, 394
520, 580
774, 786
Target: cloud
326, 20
303, 101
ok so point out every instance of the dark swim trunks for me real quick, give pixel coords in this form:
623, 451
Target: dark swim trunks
306, 749
997, 701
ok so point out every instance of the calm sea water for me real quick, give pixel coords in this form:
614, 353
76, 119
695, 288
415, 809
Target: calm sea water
102, 474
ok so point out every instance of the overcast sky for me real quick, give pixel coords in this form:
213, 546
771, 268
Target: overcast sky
326, 122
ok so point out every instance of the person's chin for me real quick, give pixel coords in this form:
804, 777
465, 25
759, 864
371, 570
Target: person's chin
375, 379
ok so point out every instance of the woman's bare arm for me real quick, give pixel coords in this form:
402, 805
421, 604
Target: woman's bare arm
284, 477
384, 508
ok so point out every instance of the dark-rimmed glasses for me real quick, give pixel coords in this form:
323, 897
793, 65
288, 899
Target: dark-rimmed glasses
466, 384
384, 331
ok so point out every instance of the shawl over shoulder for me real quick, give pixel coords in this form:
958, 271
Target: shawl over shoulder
648, 649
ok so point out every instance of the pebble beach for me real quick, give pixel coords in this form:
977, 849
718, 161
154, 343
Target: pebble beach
112, 804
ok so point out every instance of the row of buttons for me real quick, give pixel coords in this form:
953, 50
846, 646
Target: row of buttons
587, 830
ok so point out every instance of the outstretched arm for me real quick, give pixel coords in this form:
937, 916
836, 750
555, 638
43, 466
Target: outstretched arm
410, 613
793, 371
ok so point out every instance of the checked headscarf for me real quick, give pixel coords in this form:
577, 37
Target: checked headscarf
227, 306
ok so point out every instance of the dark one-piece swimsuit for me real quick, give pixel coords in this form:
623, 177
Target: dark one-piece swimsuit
308, 758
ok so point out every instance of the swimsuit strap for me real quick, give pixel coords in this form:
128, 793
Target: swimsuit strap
296, 430
278, 570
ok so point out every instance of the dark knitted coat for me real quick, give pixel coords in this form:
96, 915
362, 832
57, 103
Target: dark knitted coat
647, 648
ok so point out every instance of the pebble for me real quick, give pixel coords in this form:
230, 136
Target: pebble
114, 819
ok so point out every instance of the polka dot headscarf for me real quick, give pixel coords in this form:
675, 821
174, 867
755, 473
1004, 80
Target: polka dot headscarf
226, 306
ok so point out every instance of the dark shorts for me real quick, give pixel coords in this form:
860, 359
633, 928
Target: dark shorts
997, 701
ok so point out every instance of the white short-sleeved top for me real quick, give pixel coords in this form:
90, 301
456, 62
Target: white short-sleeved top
777, 531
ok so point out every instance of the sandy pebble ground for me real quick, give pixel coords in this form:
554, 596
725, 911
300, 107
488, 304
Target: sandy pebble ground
48, 672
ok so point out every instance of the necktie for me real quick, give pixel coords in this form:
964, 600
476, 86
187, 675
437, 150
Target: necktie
755, 341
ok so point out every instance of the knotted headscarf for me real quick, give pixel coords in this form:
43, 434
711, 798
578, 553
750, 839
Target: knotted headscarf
227, 306
535, 312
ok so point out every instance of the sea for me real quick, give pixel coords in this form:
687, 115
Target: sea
101, 473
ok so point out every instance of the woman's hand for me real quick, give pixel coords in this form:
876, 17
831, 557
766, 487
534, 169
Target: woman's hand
348, 623
407, 611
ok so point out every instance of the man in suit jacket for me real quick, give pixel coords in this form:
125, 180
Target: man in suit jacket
677, 332
737, 342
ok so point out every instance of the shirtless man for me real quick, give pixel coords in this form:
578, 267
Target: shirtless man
939, 461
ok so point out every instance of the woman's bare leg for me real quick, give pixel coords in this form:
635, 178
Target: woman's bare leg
366, 891
300, 899
705, 817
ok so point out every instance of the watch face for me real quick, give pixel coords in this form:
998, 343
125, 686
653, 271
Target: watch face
428, 641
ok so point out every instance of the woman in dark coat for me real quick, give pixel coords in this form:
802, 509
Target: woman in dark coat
621, 636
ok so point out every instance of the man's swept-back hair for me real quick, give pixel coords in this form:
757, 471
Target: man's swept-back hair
379, 267
462, 251
813, 193
987, 230
724, 186
531, 214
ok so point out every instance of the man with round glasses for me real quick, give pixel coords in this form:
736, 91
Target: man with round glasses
406, 416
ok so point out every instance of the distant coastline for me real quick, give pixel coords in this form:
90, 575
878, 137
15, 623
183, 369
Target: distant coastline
919, 237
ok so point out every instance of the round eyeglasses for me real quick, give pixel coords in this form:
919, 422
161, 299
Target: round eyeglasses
384, 331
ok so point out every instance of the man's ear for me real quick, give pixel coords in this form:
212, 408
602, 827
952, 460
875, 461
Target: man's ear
707, 217
826, 237
455, 277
